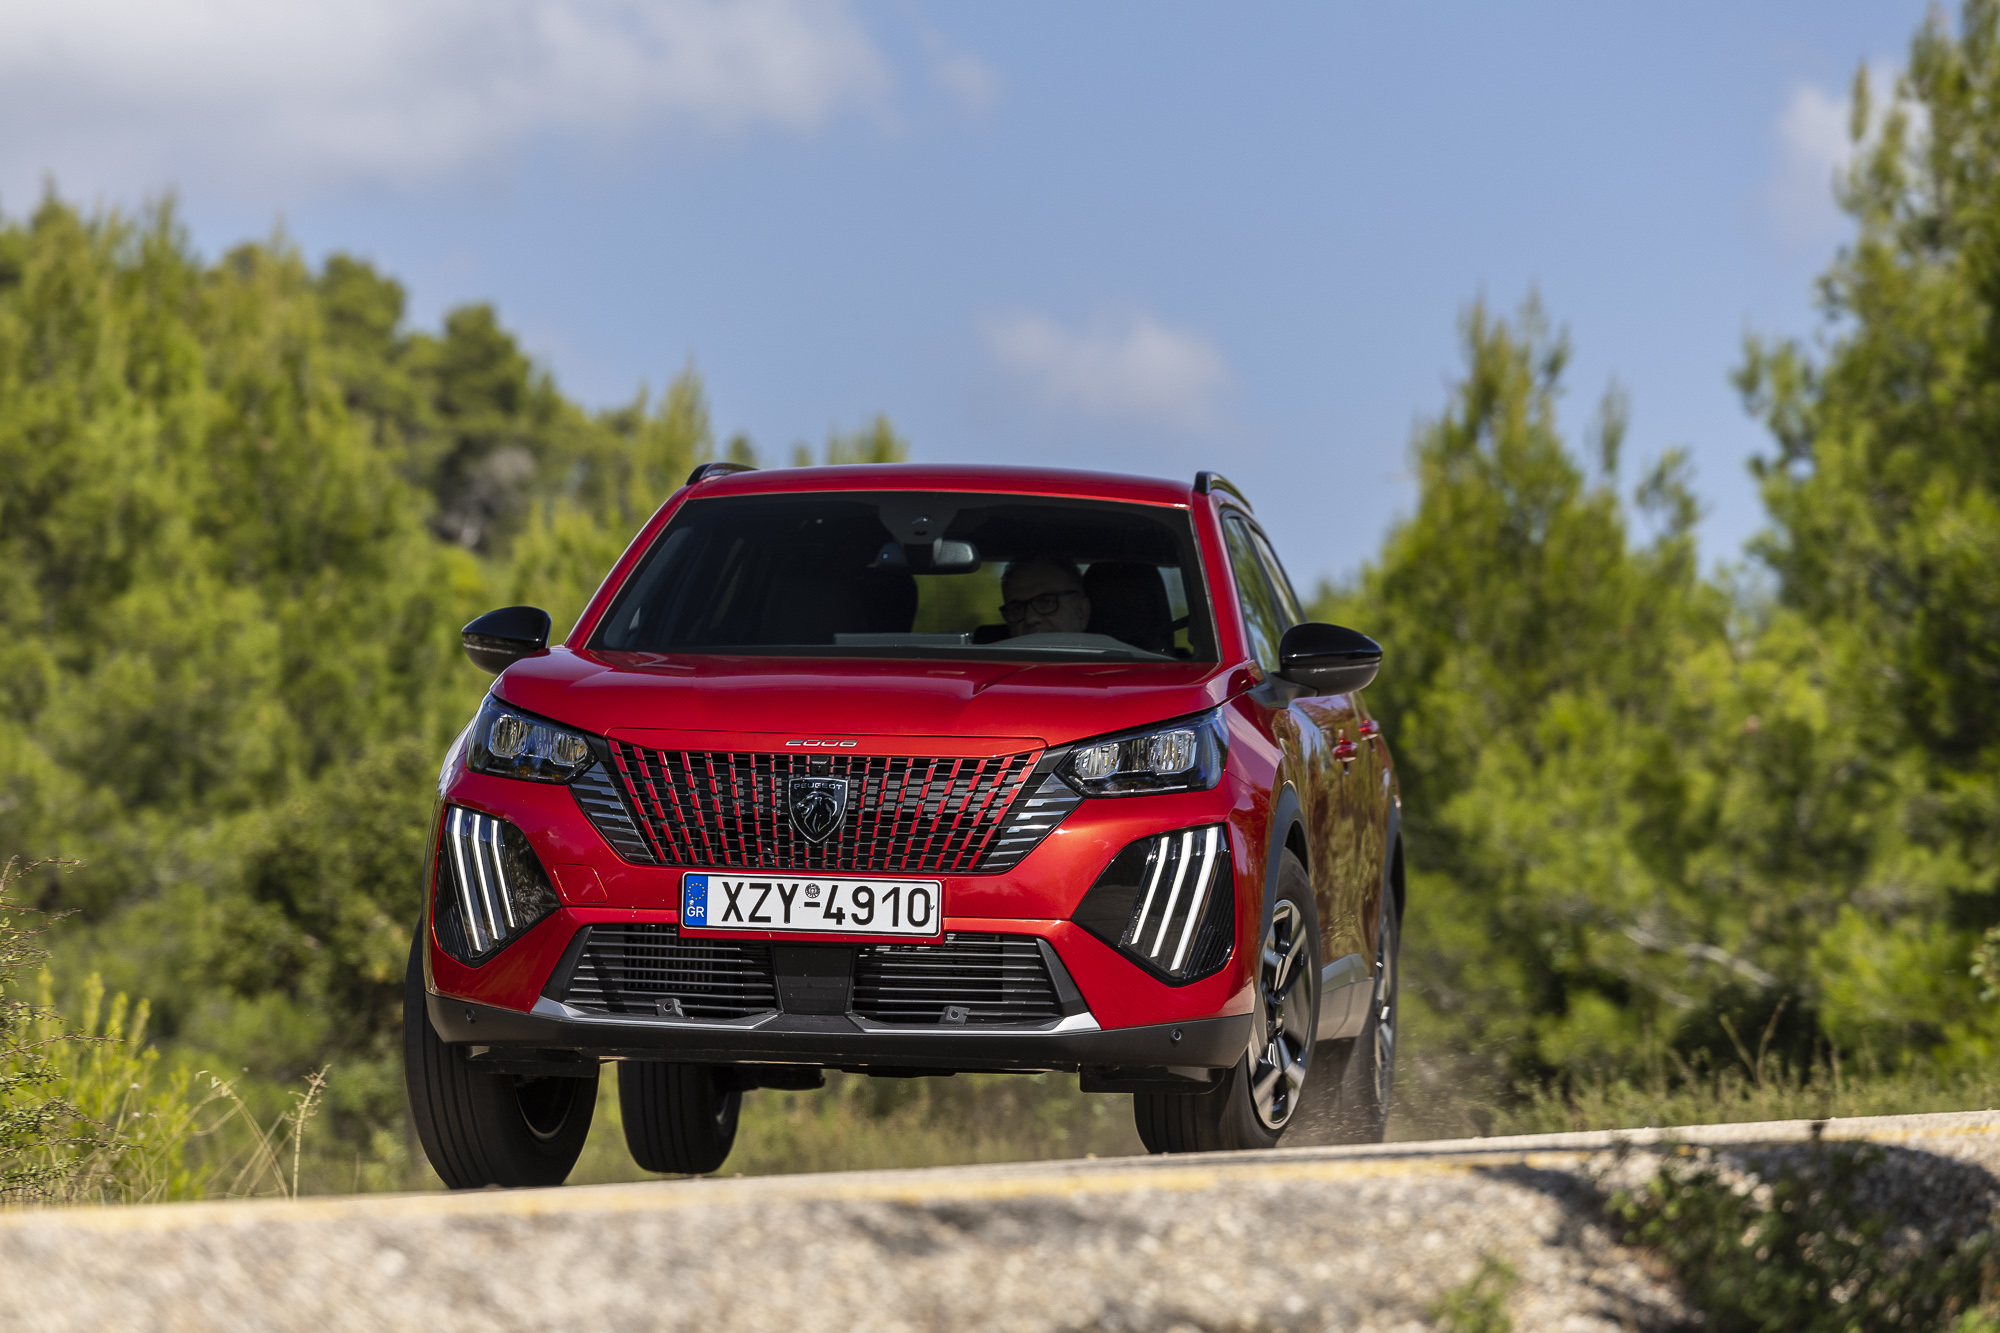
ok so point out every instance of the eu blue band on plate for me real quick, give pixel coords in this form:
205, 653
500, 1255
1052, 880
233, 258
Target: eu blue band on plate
694, 900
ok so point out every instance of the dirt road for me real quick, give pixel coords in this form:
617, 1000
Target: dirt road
1340, 1238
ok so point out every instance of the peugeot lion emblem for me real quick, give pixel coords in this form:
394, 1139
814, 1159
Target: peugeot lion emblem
817, 806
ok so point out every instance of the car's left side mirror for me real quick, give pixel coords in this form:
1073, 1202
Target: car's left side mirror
501, 638
1328, 659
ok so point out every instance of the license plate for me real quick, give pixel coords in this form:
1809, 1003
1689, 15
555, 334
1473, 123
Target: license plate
817, 906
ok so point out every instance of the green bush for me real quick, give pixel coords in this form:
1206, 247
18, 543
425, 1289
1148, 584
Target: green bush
87, 1114
1799, 1247
42, 1135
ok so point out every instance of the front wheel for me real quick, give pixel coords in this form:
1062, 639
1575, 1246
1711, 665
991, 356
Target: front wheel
480, 1127
1255, 1101
679, 1119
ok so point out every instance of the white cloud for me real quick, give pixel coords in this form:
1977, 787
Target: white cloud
967, 78
1134, 370
1815, 149
326, 92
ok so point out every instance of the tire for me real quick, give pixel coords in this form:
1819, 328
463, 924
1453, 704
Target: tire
481, 1128
1257, 1100
1368, 1080
679, 1119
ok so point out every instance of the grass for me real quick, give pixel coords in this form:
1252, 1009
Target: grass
1479, 1304
141, 1133
1730, 1098
1671, 1092
857, 1123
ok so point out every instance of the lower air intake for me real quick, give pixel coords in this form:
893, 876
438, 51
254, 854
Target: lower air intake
1167, 903
490, 885
969, 980
648, 969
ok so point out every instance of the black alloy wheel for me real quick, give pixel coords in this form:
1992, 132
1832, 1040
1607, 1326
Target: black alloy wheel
1278, 1074
1255, 1101
480, 1127
679, 1119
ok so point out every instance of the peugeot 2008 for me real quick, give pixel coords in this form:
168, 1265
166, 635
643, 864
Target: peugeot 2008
908, 770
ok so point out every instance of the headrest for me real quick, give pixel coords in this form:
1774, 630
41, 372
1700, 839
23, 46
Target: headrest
1128, 601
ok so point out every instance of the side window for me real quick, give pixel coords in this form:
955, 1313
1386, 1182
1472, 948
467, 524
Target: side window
1288, 601
1263, 620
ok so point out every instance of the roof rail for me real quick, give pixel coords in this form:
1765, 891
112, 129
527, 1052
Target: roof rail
706, 470
1204, 482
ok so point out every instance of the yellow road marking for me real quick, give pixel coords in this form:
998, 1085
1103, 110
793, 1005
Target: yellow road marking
999, 1182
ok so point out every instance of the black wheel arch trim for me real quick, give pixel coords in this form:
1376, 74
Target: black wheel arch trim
1287, 818
1286, 814
1392, 854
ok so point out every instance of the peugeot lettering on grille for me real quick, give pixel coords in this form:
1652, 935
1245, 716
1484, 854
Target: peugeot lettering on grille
817, 806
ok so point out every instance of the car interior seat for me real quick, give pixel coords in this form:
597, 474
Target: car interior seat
886, 600
1128, 601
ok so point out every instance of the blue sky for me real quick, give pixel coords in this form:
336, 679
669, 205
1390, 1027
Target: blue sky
1144, 237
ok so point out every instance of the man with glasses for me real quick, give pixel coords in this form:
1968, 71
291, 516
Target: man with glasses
1044, 595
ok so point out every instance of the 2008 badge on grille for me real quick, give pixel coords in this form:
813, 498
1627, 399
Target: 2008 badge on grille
818, 906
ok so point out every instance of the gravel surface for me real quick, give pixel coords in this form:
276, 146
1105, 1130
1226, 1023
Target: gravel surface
1347, 1238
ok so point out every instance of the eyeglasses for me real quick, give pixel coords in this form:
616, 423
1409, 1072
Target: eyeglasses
1043, 604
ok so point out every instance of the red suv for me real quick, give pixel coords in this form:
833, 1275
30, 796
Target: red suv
908, 770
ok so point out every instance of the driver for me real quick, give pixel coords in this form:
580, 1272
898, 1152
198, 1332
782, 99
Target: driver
1044, 595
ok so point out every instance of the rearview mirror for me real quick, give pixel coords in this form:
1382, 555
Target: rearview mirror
937, 557
501, 638
1328, 659
953, 557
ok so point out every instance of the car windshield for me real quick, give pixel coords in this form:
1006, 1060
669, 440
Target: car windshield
907, 574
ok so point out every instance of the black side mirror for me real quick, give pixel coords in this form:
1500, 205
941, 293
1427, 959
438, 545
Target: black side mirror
501, 638
1328, 659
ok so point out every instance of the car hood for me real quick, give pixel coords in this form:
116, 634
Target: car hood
1051, 703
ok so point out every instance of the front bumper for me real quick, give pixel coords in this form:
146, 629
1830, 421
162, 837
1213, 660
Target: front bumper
846, 1042
1121, 1018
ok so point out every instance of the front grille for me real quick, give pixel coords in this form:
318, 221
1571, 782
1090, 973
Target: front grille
728, 811
968, 979
596, 794
648, 969
1045, 804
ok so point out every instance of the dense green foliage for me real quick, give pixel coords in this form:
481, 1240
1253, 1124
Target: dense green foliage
243, 510
1660, 821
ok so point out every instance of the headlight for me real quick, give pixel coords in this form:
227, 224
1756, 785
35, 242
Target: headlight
512, 744
1179, 756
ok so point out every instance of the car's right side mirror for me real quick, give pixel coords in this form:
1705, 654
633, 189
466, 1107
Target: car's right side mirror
501, 638
1328, 659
